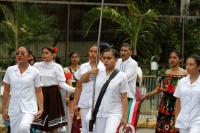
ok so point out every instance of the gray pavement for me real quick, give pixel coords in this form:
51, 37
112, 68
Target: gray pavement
145, 130
139, 130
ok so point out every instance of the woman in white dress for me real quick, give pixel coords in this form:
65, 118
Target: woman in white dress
24, 83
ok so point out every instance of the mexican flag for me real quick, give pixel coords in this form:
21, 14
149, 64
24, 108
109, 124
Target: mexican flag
133, 116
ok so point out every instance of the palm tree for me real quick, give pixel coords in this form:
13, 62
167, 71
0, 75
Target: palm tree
16, 34
132, 22
24, 25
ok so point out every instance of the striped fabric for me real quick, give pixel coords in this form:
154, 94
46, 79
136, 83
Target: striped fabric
133, 115
133, 112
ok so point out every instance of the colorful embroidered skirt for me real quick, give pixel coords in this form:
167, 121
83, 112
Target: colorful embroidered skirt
166, 115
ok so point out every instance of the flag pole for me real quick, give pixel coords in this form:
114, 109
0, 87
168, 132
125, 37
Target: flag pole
97, 60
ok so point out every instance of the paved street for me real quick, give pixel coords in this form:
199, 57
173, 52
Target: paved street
145, 130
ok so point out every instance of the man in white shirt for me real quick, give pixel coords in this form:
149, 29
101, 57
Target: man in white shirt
129, 66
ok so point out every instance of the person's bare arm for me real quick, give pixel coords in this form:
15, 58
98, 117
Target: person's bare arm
77, 95
154, 92
5, 98
124, 107
85, 77
40, 100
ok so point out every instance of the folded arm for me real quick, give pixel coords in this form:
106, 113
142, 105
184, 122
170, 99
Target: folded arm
85, 77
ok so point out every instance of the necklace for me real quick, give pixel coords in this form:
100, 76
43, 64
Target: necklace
73, 71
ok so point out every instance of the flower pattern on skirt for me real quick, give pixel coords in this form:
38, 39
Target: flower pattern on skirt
166, 113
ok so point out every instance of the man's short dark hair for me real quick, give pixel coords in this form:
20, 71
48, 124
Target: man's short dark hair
127, 45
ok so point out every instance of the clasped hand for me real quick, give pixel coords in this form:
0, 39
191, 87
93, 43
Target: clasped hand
94, 70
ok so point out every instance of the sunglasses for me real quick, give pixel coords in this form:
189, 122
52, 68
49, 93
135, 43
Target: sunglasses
22, 53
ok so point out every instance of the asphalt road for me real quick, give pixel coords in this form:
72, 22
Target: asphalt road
145, 130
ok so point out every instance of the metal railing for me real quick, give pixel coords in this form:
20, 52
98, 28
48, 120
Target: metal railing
149, 106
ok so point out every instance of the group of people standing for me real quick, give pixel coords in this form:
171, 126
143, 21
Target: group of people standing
45, 96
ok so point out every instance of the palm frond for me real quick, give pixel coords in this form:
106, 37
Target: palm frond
131, 21
25, 25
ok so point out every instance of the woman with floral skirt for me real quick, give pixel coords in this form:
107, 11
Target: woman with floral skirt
168, 82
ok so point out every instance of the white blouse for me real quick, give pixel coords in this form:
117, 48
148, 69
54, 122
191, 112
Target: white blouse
85, 100
22, 87
111, 103
52, 74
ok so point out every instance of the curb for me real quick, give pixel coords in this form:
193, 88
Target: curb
148, 123
3, 129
